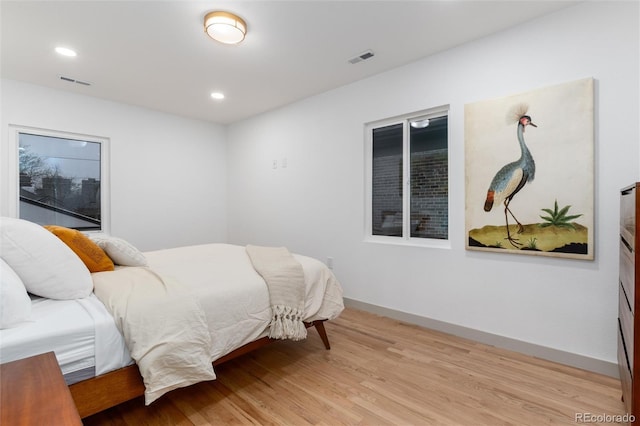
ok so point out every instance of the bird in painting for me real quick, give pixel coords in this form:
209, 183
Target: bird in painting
511, 178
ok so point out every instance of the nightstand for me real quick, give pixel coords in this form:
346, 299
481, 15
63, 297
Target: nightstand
33, 392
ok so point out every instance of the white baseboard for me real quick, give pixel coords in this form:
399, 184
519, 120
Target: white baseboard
550, 354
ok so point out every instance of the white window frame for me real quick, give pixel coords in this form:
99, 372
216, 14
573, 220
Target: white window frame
12, 171
406, 238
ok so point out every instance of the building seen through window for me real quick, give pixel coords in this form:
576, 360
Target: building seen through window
60, 181
409, 178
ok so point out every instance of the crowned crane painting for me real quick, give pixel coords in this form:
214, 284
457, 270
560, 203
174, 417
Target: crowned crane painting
529, 187
511, 178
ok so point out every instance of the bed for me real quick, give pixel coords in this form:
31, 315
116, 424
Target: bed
153, 321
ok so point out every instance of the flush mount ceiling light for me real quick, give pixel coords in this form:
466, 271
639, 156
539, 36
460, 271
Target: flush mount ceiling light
217, 95
225, 27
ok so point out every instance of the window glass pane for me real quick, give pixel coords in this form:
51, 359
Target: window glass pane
429, 179
387, 180
59, 181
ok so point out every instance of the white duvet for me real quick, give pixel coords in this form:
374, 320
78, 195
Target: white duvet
217, 280
163, 326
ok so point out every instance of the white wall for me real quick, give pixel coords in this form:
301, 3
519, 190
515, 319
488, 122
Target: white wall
168, 173
316, 204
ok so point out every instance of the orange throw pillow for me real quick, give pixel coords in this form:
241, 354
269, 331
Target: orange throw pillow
89, 252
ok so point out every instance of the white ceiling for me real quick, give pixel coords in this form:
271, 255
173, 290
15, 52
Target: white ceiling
155, 54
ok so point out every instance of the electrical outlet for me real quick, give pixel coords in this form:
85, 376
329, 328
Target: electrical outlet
330, 262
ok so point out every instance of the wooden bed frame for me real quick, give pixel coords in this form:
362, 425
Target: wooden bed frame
108, 390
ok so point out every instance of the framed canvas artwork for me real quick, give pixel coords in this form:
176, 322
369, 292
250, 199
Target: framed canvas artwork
529, 172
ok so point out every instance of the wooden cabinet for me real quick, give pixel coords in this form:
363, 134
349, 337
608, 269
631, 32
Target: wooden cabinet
628, 305
33, 392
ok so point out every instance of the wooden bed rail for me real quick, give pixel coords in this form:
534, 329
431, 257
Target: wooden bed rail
108, 390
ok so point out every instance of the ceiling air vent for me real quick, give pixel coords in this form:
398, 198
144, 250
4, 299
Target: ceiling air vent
361, 57
73, 80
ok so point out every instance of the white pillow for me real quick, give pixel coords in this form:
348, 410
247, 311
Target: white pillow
15, 304
46, 265
120, 251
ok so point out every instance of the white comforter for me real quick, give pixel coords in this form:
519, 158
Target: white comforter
235, 297
232, 295
163, 326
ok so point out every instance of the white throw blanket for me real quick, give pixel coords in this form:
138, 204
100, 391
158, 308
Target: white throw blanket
163, 325
285, 280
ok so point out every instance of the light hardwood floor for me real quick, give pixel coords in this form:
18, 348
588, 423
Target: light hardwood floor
381, 371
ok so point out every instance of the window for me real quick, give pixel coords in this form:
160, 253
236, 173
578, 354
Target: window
408, 178
61, 179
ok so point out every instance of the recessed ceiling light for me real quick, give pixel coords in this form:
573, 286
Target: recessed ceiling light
217, 95
66, 51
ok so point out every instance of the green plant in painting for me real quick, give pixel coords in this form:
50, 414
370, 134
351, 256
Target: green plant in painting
558, 217
531, 244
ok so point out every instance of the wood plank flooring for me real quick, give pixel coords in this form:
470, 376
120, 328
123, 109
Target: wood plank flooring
381, 371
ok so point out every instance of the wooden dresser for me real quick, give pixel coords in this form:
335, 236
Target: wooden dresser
628, 303
33, 392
